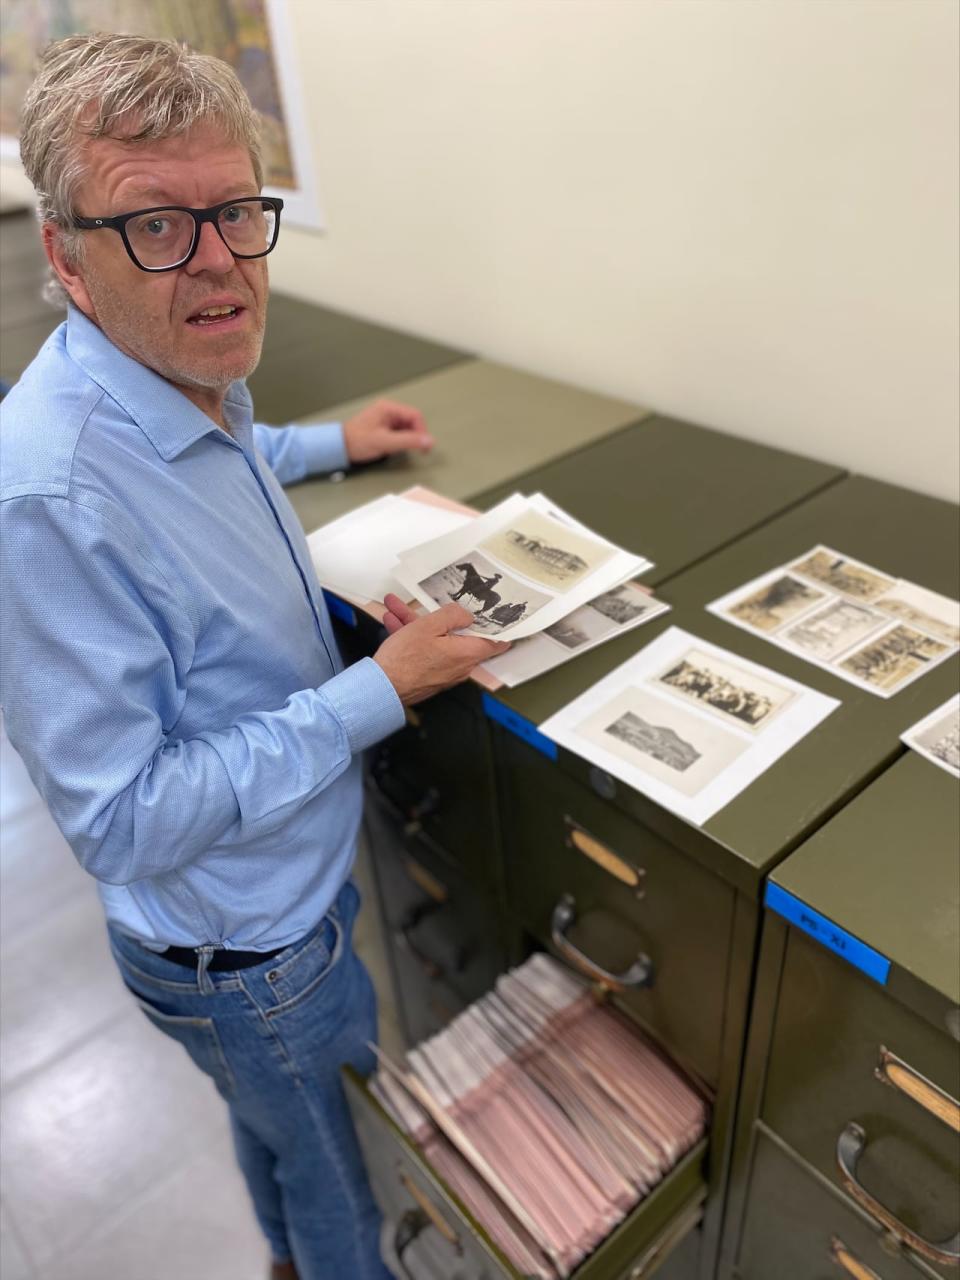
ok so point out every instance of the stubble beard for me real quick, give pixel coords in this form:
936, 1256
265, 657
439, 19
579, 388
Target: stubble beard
126, 326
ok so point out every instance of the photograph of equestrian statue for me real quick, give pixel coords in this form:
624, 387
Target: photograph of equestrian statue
725, 689
495, 599
547, 551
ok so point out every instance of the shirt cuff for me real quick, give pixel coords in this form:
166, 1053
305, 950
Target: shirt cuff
324, 448
365, 702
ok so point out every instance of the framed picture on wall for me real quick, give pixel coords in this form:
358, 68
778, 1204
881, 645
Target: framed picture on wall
253, 36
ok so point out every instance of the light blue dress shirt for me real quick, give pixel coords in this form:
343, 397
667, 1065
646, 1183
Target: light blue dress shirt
169, 673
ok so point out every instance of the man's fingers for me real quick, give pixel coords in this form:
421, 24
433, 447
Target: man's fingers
452, 617
392, 623
399, 607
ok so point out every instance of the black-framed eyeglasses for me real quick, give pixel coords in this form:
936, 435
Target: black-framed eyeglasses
166, 237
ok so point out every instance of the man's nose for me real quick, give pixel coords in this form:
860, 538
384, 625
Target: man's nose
211, 253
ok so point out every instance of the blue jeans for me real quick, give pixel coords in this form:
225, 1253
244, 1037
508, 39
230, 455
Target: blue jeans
273, 1037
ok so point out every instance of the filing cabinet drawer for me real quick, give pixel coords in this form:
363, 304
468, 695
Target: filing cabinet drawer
828, 1071
798, 1228
634, 904
442, 933
407, 1189
437, 775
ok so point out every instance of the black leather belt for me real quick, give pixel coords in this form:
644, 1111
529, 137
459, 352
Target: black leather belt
220, 960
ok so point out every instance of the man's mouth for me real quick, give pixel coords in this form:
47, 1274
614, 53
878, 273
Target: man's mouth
216, 317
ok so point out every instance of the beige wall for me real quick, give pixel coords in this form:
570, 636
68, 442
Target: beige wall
743, 212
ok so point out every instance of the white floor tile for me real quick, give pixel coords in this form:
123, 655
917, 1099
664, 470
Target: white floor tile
14, 1264
58, 985
97, 1128
196, 1223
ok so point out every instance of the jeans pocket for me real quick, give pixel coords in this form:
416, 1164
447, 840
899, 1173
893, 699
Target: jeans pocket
295, 980
199, 1037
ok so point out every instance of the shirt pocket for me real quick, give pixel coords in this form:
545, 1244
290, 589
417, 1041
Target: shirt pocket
200, 1038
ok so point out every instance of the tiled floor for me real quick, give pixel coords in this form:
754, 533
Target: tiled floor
115, 1157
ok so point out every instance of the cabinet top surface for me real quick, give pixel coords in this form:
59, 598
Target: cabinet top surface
490, 422
886, 870
904, 534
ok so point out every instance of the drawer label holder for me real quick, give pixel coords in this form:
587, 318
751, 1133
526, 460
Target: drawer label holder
519, 725
830, 935
339, 608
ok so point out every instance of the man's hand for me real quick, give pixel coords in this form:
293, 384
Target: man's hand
383, 428
421, 657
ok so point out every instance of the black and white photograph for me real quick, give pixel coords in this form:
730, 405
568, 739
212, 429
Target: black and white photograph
659, 738
603, 616
624, 604
495, 599
776, 604
834, 629
895, 658
725, 689
926, 610
938, 736
546, 551
842, 574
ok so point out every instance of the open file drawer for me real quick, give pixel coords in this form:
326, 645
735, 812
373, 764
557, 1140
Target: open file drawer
415, 1199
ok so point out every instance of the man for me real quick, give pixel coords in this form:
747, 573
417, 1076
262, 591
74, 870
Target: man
169, 672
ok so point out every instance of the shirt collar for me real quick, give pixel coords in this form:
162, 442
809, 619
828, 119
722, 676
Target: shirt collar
169, 420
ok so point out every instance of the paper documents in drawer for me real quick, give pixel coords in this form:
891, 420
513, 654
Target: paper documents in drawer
546, 1113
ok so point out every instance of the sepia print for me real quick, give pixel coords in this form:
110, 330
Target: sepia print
834, 629
891, 659
942, 740
546, 551
843, 575
725, 688
776, 603
925, 610
495, 600
661, 739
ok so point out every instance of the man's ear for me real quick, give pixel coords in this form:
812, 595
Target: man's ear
66, 272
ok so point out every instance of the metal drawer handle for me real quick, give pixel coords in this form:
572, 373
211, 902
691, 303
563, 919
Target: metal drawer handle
900, 1075
850, 1147
640, 973
849, 1263
432, 1214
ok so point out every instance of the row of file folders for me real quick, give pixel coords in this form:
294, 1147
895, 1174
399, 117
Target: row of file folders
545, 1112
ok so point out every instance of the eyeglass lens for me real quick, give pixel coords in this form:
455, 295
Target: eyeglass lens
164, 237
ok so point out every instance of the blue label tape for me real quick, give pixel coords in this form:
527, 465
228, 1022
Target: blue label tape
519, 725
340, 609
844, 944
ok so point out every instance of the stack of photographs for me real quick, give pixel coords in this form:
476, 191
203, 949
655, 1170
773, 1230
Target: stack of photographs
878, 632
937, 737
688, 724
546, 1113
520, 568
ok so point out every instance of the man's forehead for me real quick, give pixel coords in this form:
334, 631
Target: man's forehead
182, 168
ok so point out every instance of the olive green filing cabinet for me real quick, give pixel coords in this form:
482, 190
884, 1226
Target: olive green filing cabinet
688, 900
848, 1138
436, 775
490, 422
314, 357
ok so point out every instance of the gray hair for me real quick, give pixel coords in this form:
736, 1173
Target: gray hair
115, 86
